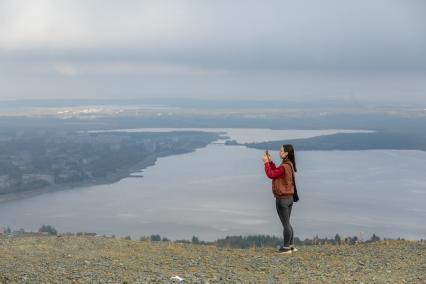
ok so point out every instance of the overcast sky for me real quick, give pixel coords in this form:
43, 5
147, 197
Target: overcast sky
224, 49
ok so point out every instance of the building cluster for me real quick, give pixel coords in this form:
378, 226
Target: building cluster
36, 160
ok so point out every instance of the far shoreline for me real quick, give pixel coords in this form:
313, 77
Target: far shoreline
109, 179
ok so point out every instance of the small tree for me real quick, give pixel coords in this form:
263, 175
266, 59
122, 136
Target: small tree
195, 240
155, 238
375, 238
48, 229
337, 239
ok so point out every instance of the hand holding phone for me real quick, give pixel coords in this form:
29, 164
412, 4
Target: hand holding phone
266, 157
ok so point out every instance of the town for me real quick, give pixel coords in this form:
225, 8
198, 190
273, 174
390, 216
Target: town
43, 159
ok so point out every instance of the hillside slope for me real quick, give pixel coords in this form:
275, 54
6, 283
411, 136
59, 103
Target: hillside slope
84, 259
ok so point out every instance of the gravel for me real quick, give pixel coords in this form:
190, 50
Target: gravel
88, 259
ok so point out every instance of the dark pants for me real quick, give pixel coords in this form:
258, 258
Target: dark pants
284, 210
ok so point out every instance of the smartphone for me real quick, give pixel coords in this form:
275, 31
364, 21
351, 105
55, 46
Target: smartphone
267, 153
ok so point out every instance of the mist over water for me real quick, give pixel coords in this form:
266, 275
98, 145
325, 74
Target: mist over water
222, 190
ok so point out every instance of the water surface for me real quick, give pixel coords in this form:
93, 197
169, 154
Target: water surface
222, 190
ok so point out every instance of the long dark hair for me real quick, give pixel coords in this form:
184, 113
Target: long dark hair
290, 150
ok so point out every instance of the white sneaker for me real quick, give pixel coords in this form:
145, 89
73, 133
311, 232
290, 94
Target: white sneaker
283, 250
293, 248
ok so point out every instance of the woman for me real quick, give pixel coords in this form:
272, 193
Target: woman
283, 190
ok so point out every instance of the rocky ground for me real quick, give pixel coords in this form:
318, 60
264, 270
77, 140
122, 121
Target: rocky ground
85, 259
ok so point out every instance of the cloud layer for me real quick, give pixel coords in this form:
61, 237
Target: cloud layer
210, 43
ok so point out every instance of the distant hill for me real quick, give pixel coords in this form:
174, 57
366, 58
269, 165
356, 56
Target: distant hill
84, 259
396, 140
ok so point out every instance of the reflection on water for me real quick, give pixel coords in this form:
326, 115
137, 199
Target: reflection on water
221, 190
